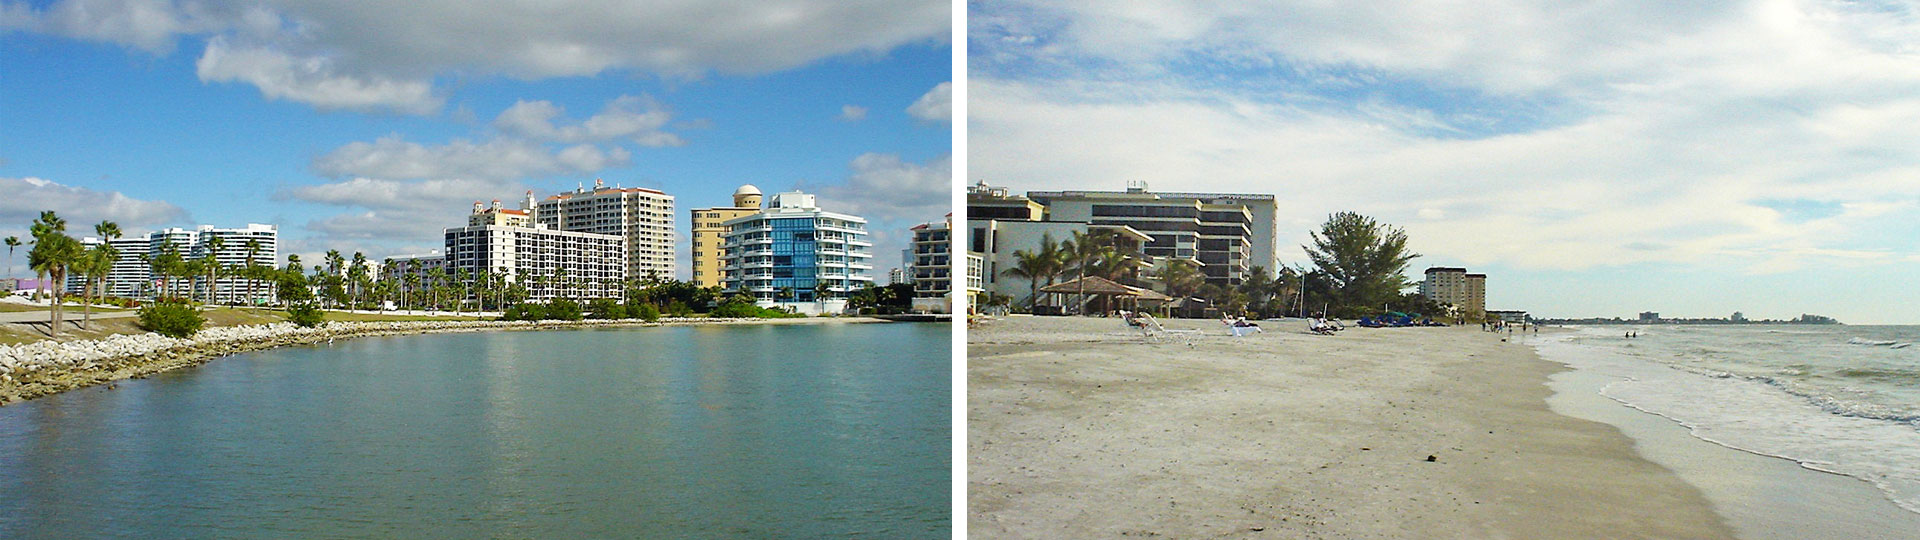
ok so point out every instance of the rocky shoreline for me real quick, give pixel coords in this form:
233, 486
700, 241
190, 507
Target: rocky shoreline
45, 368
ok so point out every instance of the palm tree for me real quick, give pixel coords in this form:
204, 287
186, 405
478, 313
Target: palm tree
164, 265
212, 267
560, 281
1181, 278
1044, 264
12, 242
1082, 252
253, 271
436, 280
413, 285
94, 264
53, 254
357, 275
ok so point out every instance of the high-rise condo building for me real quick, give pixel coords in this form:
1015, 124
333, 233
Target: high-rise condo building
931, 266
794, 255
644, 217
132, 277
1467, 293
1227, 233
710, 231
550, 264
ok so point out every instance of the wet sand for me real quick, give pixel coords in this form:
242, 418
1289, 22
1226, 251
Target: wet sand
1079, 429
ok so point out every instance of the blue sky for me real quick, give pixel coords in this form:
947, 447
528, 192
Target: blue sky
1692, 159
369, 127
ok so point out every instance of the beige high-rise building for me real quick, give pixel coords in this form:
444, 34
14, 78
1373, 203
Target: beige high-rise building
709, 234
644, 217
1466, 292
495, 215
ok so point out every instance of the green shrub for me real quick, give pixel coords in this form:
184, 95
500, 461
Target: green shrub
563, 309
171, 320
306, 315
678, 309
606, 308
645, 312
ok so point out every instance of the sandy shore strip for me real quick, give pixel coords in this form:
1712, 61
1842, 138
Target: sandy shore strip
45, 368
1079, 429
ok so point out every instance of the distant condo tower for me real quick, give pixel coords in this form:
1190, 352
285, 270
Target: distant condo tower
549, 263
1467, 293
795, 255
644, 217
710, 231
133, 277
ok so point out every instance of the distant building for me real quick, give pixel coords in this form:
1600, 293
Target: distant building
1649, 316
897, 276
1228, 233
710, 231
1467, 293
794, 255
1509, 316
932, 266
644, 217
976, 278
1738, 317
132, 275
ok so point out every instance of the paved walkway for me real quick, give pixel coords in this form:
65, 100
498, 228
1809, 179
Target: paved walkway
70, 314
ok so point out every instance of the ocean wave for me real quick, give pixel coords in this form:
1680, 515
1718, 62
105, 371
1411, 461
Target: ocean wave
1826, 402
1875, 342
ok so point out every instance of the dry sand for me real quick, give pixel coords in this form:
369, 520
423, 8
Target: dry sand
1077, 429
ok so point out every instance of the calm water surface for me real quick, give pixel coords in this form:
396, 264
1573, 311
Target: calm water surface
751, 431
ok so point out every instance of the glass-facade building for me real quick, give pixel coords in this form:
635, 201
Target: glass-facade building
795, 255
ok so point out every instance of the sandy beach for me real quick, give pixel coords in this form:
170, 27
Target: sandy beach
1079, 429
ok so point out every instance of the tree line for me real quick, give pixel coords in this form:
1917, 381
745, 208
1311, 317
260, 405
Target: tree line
1358, 267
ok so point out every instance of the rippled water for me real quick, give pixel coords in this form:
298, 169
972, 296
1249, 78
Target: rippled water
1841, 399
757, 431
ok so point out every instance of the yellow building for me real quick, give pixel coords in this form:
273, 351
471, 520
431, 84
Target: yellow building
708, 234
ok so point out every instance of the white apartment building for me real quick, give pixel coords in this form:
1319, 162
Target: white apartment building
549, 263
643, 217
132, 275
793, 255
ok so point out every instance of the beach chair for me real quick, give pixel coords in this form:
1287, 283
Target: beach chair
1156, 331
1240, 327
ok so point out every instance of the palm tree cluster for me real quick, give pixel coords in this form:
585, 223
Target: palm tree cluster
1096, 253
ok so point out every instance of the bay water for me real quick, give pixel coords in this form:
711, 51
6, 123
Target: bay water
807, 430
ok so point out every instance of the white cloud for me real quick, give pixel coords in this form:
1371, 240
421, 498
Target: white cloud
314, 80
882, 186
82, 207
936, 105
387, 54
1660, 129
639, 118
398, 213
503, 158
853, 113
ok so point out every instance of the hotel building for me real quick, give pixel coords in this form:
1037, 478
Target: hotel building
1467, 293
791, 252
643, 217
1227, 233
710, 231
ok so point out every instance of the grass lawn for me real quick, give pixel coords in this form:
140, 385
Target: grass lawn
14, 334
